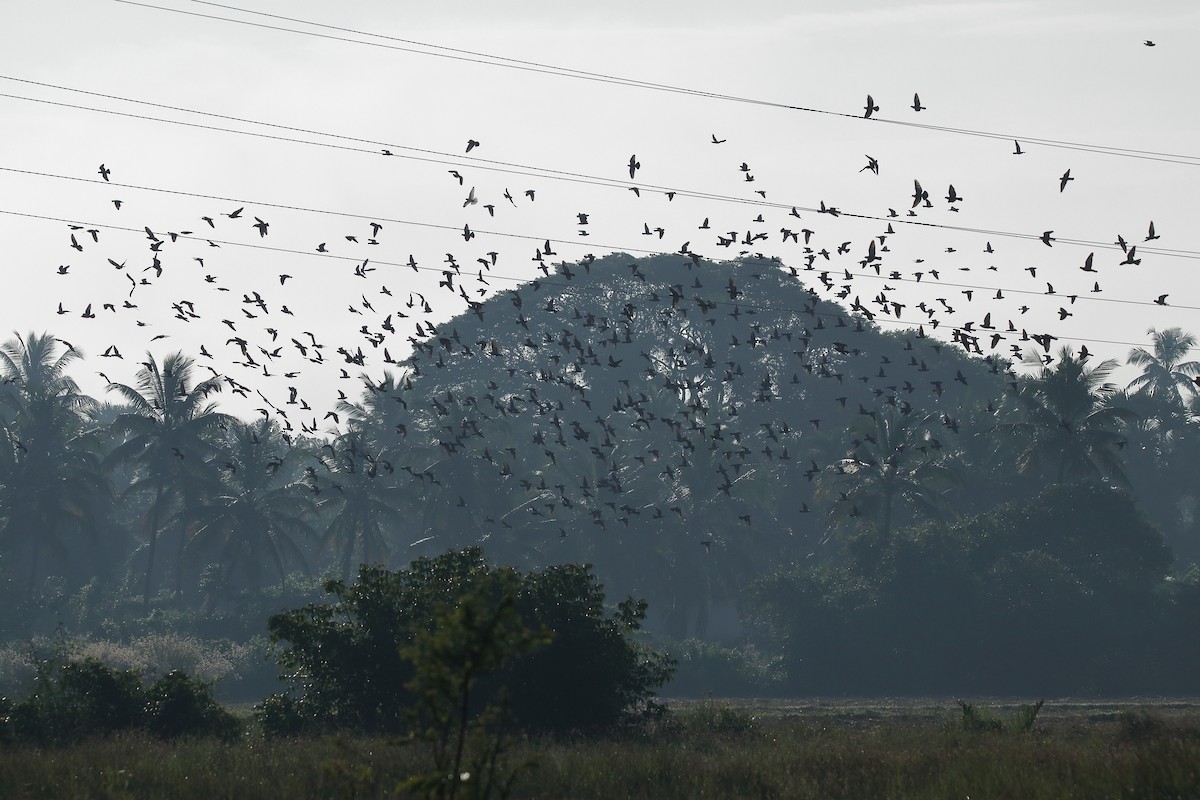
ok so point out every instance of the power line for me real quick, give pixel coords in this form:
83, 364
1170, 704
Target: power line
527, 170
532, 238
532, 66
547, 282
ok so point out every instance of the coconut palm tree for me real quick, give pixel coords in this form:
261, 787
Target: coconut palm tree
1071, 428
360, 489
896, 465
169, 430
52, 495
261, 512
1164, 372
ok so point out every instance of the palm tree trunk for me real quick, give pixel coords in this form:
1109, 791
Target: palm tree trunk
152, 544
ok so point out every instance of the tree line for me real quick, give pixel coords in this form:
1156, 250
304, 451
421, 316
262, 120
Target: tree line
685, 455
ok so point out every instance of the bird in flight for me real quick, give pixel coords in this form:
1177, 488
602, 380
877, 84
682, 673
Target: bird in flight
1062, 182
916, 106
715, 140
1018, 151
634, 165
919, 194
1148, 43
870, 107
471, 145
104, 172
872, 164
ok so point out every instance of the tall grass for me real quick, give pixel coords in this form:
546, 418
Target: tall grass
715, 751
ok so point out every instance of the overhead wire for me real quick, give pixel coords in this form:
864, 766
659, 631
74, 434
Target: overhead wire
529, 237
548, 282
573, 242
532, 66
527, 170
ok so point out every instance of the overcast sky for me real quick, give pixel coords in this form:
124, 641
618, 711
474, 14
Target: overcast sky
1071, 72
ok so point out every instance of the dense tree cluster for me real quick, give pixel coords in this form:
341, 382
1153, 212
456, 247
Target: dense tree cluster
684, 427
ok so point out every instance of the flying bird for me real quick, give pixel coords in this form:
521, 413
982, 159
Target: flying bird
870, 107
916, 106
634, 165
104, 172
1062, 182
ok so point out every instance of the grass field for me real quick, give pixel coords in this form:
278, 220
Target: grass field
775, 749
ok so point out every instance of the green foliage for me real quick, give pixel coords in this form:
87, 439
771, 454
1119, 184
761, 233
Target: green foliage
75, 700
711, 668
710, 717
180, 705
79, 699
594, 670
979, 720
351, 663
1002, 603
466, 641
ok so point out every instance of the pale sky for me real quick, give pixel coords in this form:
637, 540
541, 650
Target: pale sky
1074, 72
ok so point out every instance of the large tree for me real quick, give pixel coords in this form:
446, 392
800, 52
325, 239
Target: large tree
1070, 428
896, 465
52, 495
261, 515
170, 430
1164, 372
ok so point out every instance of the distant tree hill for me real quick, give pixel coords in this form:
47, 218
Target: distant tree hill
662, 418
684, 426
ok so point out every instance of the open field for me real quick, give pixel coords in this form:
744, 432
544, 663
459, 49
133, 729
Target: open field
785, 749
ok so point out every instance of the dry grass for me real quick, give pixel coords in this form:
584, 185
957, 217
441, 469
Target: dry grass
852, 750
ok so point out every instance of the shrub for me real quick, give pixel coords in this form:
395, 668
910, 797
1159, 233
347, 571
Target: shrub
78, 699
978, 720
180, 705
349, 662
713, 669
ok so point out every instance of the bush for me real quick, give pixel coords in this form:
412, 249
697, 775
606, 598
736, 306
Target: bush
179, 705
713, 669
350, 662
79, 699
1007, 602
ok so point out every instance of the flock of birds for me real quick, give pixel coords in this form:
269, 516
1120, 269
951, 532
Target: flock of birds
266, 353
